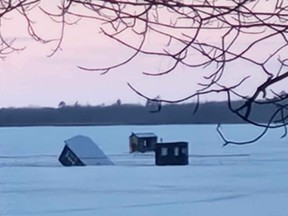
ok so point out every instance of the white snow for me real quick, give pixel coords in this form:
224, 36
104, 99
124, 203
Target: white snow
144, 135
233, 180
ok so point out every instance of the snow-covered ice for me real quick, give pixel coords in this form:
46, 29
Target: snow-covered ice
233, 180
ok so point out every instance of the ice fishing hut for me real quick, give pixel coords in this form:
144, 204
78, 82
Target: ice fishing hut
81, 151
171, 153
142, 142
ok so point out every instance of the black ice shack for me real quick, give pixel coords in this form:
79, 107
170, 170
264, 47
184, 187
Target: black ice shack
142, 142
81, 151
171, 153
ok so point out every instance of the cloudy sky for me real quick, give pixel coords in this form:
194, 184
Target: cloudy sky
31, 78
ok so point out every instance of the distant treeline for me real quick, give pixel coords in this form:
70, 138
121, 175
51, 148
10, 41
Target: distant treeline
124, 114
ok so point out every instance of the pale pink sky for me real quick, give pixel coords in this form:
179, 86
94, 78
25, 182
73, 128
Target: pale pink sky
30, 78
33, 79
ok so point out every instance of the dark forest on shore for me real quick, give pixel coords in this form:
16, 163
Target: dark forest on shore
125, 114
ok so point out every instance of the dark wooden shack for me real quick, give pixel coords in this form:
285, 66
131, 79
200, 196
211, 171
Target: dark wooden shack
81, 151
171, 153
142, 142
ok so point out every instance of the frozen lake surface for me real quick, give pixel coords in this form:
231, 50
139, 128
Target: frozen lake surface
233, 180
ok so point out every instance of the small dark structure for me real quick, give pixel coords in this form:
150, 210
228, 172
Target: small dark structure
142, 142
171, 153
81, 151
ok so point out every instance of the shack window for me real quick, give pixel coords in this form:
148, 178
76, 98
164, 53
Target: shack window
70, 157
145, 144
164, 151
184, 151
176, 151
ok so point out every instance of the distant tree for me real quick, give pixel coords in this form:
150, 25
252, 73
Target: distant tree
118, 102
204, 35
61, 104
76, 104
283, 94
